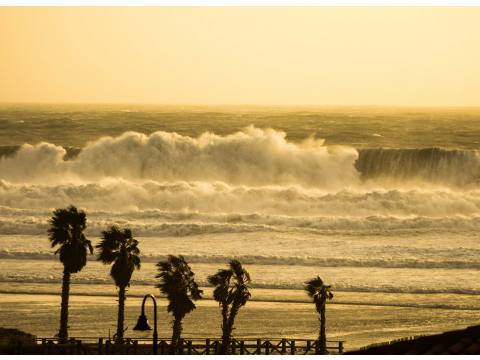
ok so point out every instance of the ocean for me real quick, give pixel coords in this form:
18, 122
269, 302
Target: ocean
382, 203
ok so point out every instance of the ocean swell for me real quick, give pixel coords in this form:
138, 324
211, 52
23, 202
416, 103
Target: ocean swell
419, 263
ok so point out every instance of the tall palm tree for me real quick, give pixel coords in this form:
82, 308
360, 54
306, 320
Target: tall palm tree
320, 293
231, 292
66, 230
178, 284
120, 248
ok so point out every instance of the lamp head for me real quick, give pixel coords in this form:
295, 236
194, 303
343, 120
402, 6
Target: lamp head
142, 324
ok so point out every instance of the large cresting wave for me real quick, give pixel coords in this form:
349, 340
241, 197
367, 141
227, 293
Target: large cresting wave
250, 157
434, 165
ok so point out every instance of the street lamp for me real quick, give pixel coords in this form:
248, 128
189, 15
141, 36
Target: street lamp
143, 325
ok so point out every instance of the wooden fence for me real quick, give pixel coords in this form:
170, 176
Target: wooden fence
87, 346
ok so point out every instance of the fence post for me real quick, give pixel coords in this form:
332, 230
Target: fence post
340, 347
233, 346
242, 347
207, 346
107, 347
44, 346
162, 347
292, 347
50, 346
217, 347
284, 346
100, 345
189, 347
267, 347
259, 346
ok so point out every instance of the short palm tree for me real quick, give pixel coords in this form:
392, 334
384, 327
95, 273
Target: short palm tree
66, 231
120, 248
232, 292
320, 293
177, 282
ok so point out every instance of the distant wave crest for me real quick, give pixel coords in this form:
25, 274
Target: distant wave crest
299, 261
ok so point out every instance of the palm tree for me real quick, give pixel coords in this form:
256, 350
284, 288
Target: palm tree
120, 248
178, 284
66, 230
231, 292
320, 293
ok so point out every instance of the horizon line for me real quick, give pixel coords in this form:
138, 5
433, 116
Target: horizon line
266, 105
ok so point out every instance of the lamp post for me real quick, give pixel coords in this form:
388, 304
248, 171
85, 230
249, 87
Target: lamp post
143, 325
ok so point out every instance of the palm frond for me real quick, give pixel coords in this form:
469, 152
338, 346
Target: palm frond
231, 285
318, 291
177, 282
117, 246
66, 230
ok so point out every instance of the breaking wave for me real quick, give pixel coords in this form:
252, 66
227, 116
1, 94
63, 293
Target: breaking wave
251, 157
360, 226
434, 165
446, 263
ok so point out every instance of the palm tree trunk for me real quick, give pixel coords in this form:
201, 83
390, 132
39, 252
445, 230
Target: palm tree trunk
225, 332
322, 339
121, 314
229, 328
63, 332
176, 334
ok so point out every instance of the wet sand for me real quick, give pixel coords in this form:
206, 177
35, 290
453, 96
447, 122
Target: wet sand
359, 325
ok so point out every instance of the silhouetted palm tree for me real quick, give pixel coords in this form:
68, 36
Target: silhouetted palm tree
320, 293
178, 284
120, 248
66, 229
231, 292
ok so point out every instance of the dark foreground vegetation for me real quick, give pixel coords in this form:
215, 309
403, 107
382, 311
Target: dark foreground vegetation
456, 342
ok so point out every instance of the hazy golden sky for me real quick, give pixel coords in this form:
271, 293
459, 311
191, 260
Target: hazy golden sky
320, 56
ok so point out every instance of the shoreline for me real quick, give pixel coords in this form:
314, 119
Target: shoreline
333, 302
434, 301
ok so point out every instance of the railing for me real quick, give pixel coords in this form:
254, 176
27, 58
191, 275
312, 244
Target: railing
193, 346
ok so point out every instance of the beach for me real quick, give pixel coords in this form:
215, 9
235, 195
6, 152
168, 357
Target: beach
358, 325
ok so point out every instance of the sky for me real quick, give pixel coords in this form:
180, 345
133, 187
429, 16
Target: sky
409, 56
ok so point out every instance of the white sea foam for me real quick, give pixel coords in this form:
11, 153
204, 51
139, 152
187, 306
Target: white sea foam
251, 157
117, 195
